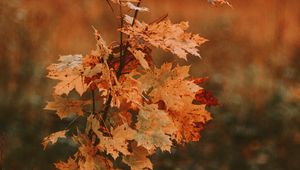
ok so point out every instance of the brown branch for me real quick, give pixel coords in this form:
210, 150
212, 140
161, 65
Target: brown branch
122, 57
94, 102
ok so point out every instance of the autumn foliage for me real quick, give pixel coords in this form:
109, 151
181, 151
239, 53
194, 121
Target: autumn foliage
131, 107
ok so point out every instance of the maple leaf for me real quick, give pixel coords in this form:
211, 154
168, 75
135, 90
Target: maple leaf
189, 123
154, 128
71, 164
130, 61
220, 2
121, 117
129, 20
66, 107
69, 72
127, 90
167, 36
140, 56
130, 5
123, 1
102, 50
175, 92
160, 84
206, 97
99, 77
69, 61
117, 141
87, 156
136, 8
138, 159
53, 138
95, 162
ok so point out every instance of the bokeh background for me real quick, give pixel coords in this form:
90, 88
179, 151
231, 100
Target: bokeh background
252, 60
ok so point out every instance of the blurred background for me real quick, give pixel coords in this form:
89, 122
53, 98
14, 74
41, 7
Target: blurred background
252, 59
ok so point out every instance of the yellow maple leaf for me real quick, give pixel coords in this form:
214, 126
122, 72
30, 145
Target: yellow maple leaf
71, 164
53, 138
220, 2
169, 85
167, 36
140, 56
66, 107
127, 90
189, 123
154, 128
102, 51
117, 141
138, 159
176, 91
69, 73
87, 155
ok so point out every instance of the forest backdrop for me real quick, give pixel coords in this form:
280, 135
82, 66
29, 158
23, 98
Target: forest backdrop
251, 59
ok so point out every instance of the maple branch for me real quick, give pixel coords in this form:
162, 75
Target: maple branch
111, 8
107, 107
94, 102
72, 122
122, 56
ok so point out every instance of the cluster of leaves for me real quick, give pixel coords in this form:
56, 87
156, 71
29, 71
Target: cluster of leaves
135, 107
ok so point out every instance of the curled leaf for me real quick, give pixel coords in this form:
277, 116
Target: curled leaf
140, 56
54, 137
134, 7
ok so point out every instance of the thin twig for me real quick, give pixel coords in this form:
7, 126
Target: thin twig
160, 19
121, 44
111, 8
122, 57
107, 106
94, 102
73, 121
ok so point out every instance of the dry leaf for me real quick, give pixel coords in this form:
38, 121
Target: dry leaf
127, 91
118, 142
169, 85
54, 137
167, 36
189, 123
102, 50
140, 56
87, 156
139, 159
134, 7
220, 2
154, 128
71, 164
66, 107
69, 73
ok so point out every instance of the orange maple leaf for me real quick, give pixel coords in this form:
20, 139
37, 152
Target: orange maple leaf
54, 137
